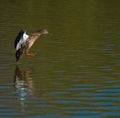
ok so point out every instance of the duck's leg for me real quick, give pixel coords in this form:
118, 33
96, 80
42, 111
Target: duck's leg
31, 54
27, 52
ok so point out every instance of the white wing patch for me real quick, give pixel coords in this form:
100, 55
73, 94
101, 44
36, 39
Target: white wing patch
25, 36
22, 41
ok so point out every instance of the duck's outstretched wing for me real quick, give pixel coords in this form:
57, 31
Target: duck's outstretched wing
33, 37
31, 40
17, 42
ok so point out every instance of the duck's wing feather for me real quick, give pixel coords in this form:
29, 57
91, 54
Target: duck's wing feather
18, 39
21, 39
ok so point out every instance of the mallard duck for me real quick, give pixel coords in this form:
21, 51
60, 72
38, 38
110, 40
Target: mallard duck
24, 42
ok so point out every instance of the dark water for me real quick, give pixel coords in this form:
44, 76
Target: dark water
76, 73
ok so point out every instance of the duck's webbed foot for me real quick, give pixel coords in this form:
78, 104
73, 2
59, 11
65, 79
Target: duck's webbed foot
31, 54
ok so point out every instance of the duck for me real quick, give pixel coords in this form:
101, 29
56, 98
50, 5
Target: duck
23, 42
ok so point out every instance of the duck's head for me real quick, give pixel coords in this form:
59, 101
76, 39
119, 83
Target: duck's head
42, 31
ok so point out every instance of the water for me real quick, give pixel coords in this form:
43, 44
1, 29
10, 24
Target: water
77, 68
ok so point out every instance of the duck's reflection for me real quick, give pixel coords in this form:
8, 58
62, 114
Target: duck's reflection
23, 84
